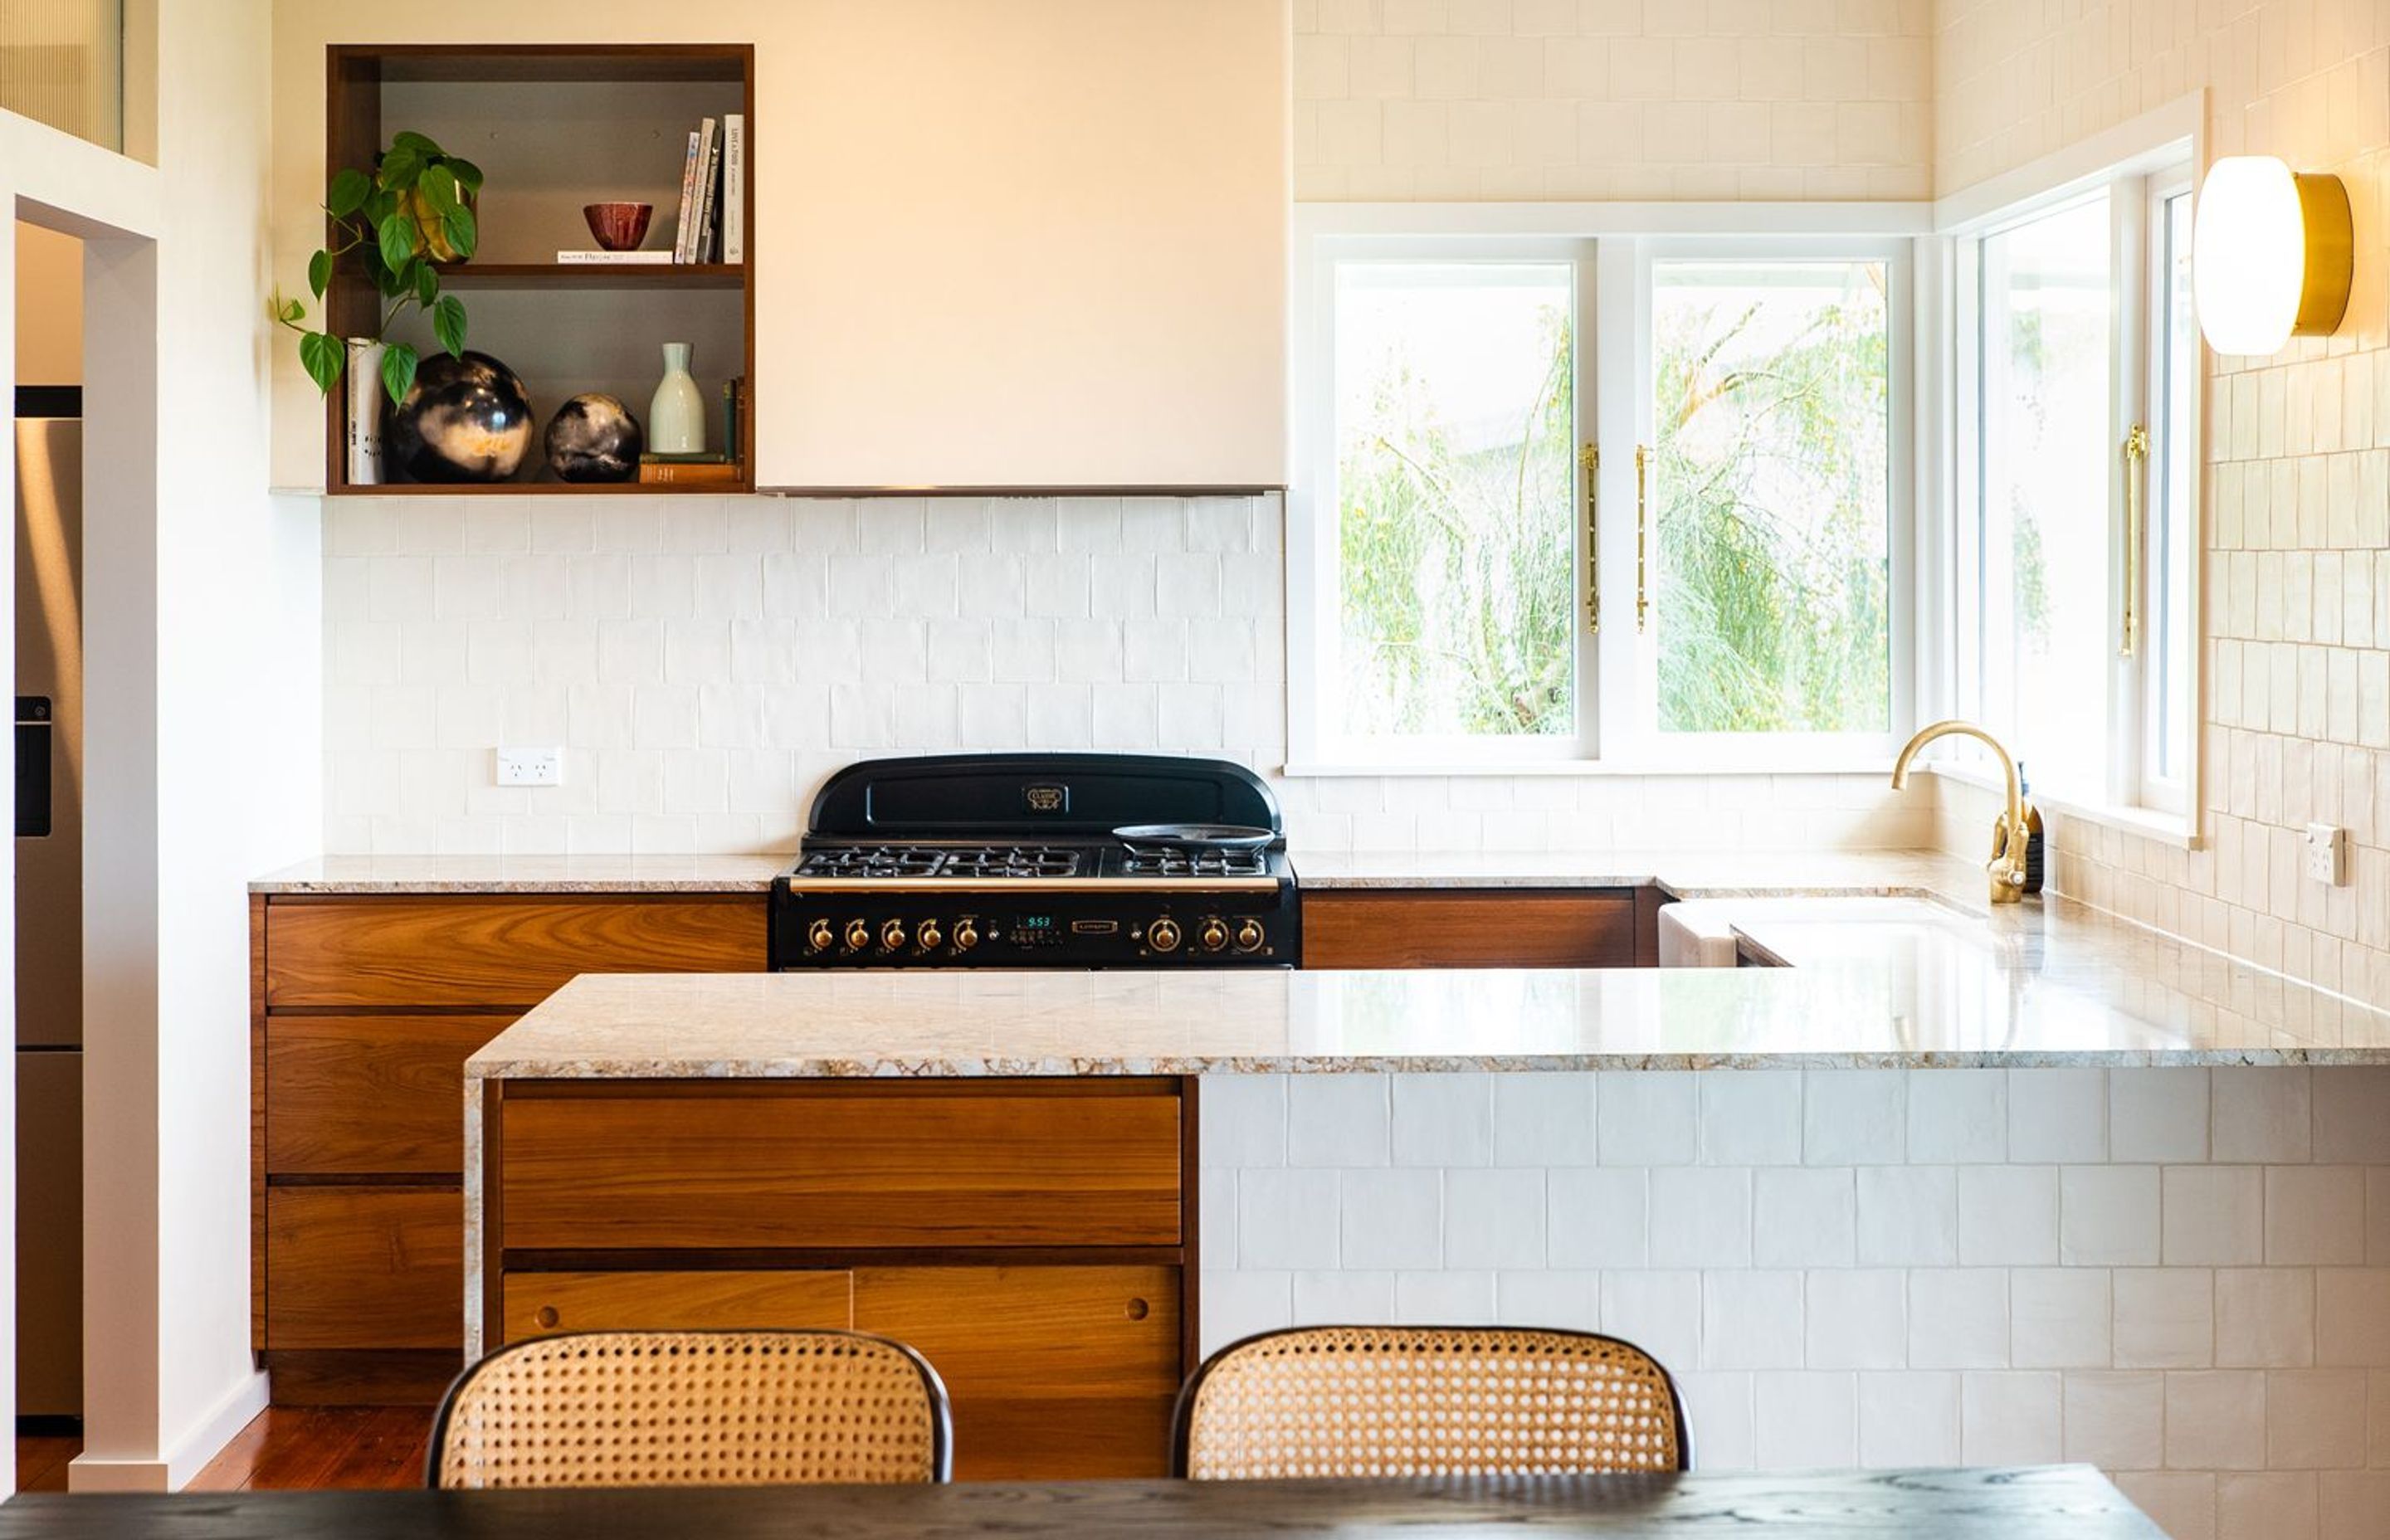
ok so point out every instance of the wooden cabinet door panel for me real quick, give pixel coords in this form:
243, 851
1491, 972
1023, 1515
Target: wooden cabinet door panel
790, 1300
1055, 1373
1513, 928
495, 952
365, 1267
844, 1165
354, 1095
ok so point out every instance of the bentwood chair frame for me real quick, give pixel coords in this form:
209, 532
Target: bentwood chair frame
589, 1348
1520, 1343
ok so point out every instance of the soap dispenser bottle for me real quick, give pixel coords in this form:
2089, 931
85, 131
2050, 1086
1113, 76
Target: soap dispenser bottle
2033, 867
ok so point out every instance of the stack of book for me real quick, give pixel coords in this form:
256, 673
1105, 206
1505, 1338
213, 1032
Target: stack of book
712, 468
713, 193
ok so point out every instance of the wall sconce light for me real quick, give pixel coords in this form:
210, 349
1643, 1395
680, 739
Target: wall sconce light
2271, 255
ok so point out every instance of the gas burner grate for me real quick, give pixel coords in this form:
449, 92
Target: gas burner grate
1153, 862
960, 862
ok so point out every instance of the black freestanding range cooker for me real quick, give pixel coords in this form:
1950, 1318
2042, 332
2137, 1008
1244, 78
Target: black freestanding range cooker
1040, 861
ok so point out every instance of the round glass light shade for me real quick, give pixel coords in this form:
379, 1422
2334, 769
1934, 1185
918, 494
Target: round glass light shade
2269, 255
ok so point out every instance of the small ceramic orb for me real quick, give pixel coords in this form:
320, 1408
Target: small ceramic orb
594, 437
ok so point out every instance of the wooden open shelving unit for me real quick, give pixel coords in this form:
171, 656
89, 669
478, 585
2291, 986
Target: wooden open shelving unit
554, 126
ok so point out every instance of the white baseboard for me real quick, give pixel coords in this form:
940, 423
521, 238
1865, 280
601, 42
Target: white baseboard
185, 1459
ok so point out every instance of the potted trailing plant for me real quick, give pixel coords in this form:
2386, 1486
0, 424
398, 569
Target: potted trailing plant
412, 212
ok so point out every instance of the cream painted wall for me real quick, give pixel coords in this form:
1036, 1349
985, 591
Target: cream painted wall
1646, 99
49, 307
2297, 484
203, 733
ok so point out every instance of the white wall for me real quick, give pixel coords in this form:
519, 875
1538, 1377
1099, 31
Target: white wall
2166, 1273
705, 662
2296, 491
1642, 99
201, 733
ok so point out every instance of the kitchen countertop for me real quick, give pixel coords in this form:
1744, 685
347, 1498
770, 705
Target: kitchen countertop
1715, 874
2046, 982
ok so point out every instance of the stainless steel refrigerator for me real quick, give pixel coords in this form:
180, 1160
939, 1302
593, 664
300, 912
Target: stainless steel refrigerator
49, 903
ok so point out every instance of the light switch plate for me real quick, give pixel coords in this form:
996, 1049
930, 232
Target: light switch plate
531, 767
2328, 854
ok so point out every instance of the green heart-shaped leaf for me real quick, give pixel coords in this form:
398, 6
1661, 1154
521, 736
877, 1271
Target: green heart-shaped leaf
319, 273
396, 239
348, 193
320, 354
463, 233
438, 186
398, 370
448, 324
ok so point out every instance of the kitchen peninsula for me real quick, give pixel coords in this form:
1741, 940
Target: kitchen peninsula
2030, 1185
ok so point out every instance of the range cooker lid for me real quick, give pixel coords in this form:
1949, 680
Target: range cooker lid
1036, 796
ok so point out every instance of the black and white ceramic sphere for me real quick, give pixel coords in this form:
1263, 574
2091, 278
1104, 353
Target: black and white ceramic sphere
466, 419
594, 437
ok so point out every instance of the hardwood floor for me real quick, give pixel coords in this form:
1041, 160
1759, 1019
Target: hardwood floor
285, 1447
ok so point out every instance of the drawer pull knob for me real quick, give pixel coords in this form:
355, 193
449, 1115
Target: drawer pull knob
1138, 1310
547, 1317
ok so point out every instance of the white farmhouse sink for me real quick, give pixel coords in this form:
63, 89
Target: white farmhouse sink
1721, 933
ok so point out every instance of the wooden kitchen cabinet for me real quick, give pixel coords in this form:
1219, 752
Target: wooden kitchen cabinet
1032, 246
1476, 928
365, 1008
1030, 1237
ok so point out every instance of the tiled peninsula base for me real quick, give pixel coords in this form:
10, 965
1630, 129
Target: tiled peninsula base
2179, 1275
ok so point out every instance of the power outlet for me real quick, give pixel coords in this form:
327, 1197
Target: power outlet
531, 767
2328, 854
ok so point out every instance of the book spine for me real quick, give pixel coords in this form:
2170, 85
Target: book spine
709, 228
733, 187
611, 259
702, 191
691, 475
688, 196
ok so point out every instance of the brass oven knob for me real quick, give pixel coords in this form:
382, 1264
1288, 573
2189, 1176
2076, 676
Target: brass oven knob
819, 937
929, 935
891, 935
1213, 935
1249, 936
966, 936
1163, 935
858, 935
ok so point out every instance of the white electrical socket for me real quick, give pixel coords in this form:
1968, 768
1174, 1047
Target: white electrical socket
531, 767
2328, 854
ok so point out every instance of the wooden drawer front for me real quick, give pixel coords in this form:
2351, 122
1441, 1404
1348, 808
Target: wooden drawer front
1056, 1373
347, 1094
495, 952
780, 1300
831, 1165
1575, 928
365, 1267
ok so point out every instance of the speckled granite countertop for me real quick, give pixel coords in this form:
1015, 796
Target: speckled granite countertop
1713, 874
2047, 983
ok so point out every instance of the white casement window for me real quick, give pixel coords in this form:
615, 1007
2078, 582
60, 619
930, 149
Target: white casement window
1636, 501
2075, 536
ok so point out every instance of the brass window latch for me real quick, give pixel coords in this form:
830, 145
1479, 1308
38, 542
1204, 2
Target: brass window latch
2137, 455
1589, 458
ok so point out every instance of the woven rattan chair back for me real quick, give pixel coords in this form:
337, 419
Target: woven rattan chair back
1420, 1401
693, 1408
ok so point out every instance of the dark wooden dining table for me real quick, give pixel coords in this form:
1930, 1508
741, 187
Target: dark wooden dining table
2069, 1502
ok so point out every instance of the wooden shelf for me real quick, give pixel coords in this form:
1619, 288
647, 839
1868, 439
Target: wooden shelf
555, 126
572, 489
566, 275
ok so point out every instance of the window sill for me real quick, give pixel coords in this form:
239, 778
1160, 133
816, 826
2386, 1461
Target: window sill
2168, 828
1589, 768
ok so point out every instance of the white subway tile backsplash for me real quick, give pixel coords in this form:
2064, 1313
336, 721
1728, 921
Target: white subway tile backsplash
2057, 1115
2261, 1114
1443, 1120
1959, 1319
1854, 1116
1803, 1217
2115, 1420
1856, 1319
1391, 1219
1547, 1120
1647, 1118
1287, 1218
2060, 1318
2108, 1216
2265, 1317
1958, 1116
1444, 1298
2007, 1215
2315, 1215
1339, 1119
1658, 1311
1907, 1216
1807, 1420
1700, 1216
2213, 1215
2216, 1419
1493, 1218
1752, 1320
1908, 1419
2165, 1317
1599, 1219
1547, 1297
1751, 1119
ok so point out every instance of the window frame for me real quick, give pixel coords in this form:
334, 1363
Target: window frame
2138, 164
1613, 246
